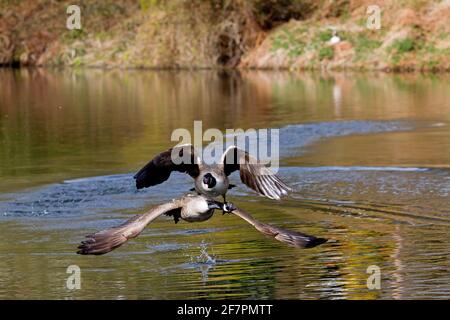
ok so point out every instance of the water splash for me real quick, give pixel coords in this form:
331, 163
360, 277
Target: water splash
204, 261
204, 257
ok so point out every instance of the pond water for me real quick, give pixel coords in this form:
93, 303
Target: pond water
368, 155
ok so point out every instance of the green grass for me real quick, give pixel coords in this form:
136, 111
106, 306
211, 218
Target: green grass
403, 45
77, 62
75, 34
443, 35
432, 64
324, 36
364, 45
289, 41
147, 4
326, 53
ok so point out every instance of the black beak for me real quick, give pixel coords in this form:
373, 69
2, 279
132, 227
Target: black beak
212, 204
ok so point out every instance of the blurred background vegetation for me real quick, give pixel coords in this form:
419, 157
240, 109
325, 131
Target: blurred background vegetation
294, 34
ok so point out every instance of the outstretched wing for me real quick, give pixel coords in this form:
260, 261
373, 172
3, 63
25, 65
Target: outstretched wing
182, 158
107, 240
253, 174
292, 238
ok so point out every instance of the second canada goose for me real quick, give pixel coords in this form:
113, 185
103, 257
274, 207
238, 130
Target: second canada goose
212, 180
191, 208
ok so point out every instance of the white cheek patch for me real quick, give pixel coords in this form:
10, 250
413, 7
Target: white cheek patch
205, 186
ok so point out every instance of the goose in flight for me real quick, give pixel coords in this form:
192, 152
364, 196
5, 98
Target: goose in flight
212, 180
191, 208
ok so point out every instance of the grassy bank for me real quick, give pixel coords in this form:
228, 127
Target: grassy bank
292, 34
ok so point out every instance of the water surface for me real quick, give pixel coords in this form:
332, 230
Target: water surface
368, 155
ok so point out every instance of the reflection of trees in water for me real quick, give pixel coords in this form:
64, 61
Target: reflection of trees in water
56, 121
57, 124
397, 290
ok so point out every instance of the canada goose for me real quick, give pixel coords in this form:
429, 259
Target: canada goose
212, 180
191, 208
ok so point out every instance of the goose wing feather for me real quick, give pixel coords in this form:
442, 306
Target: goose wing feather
289, 237
181, 158
109, 239
253, 174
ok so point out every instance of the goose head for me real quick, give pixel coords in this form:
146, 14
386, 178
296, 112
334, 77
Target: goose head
209, 180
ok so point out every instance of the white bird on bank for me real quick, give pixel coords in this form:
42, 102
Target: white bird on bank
334, 39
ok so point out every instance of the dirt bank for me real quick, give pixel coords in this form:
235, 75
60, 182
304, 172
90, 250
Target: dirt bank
293, 34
